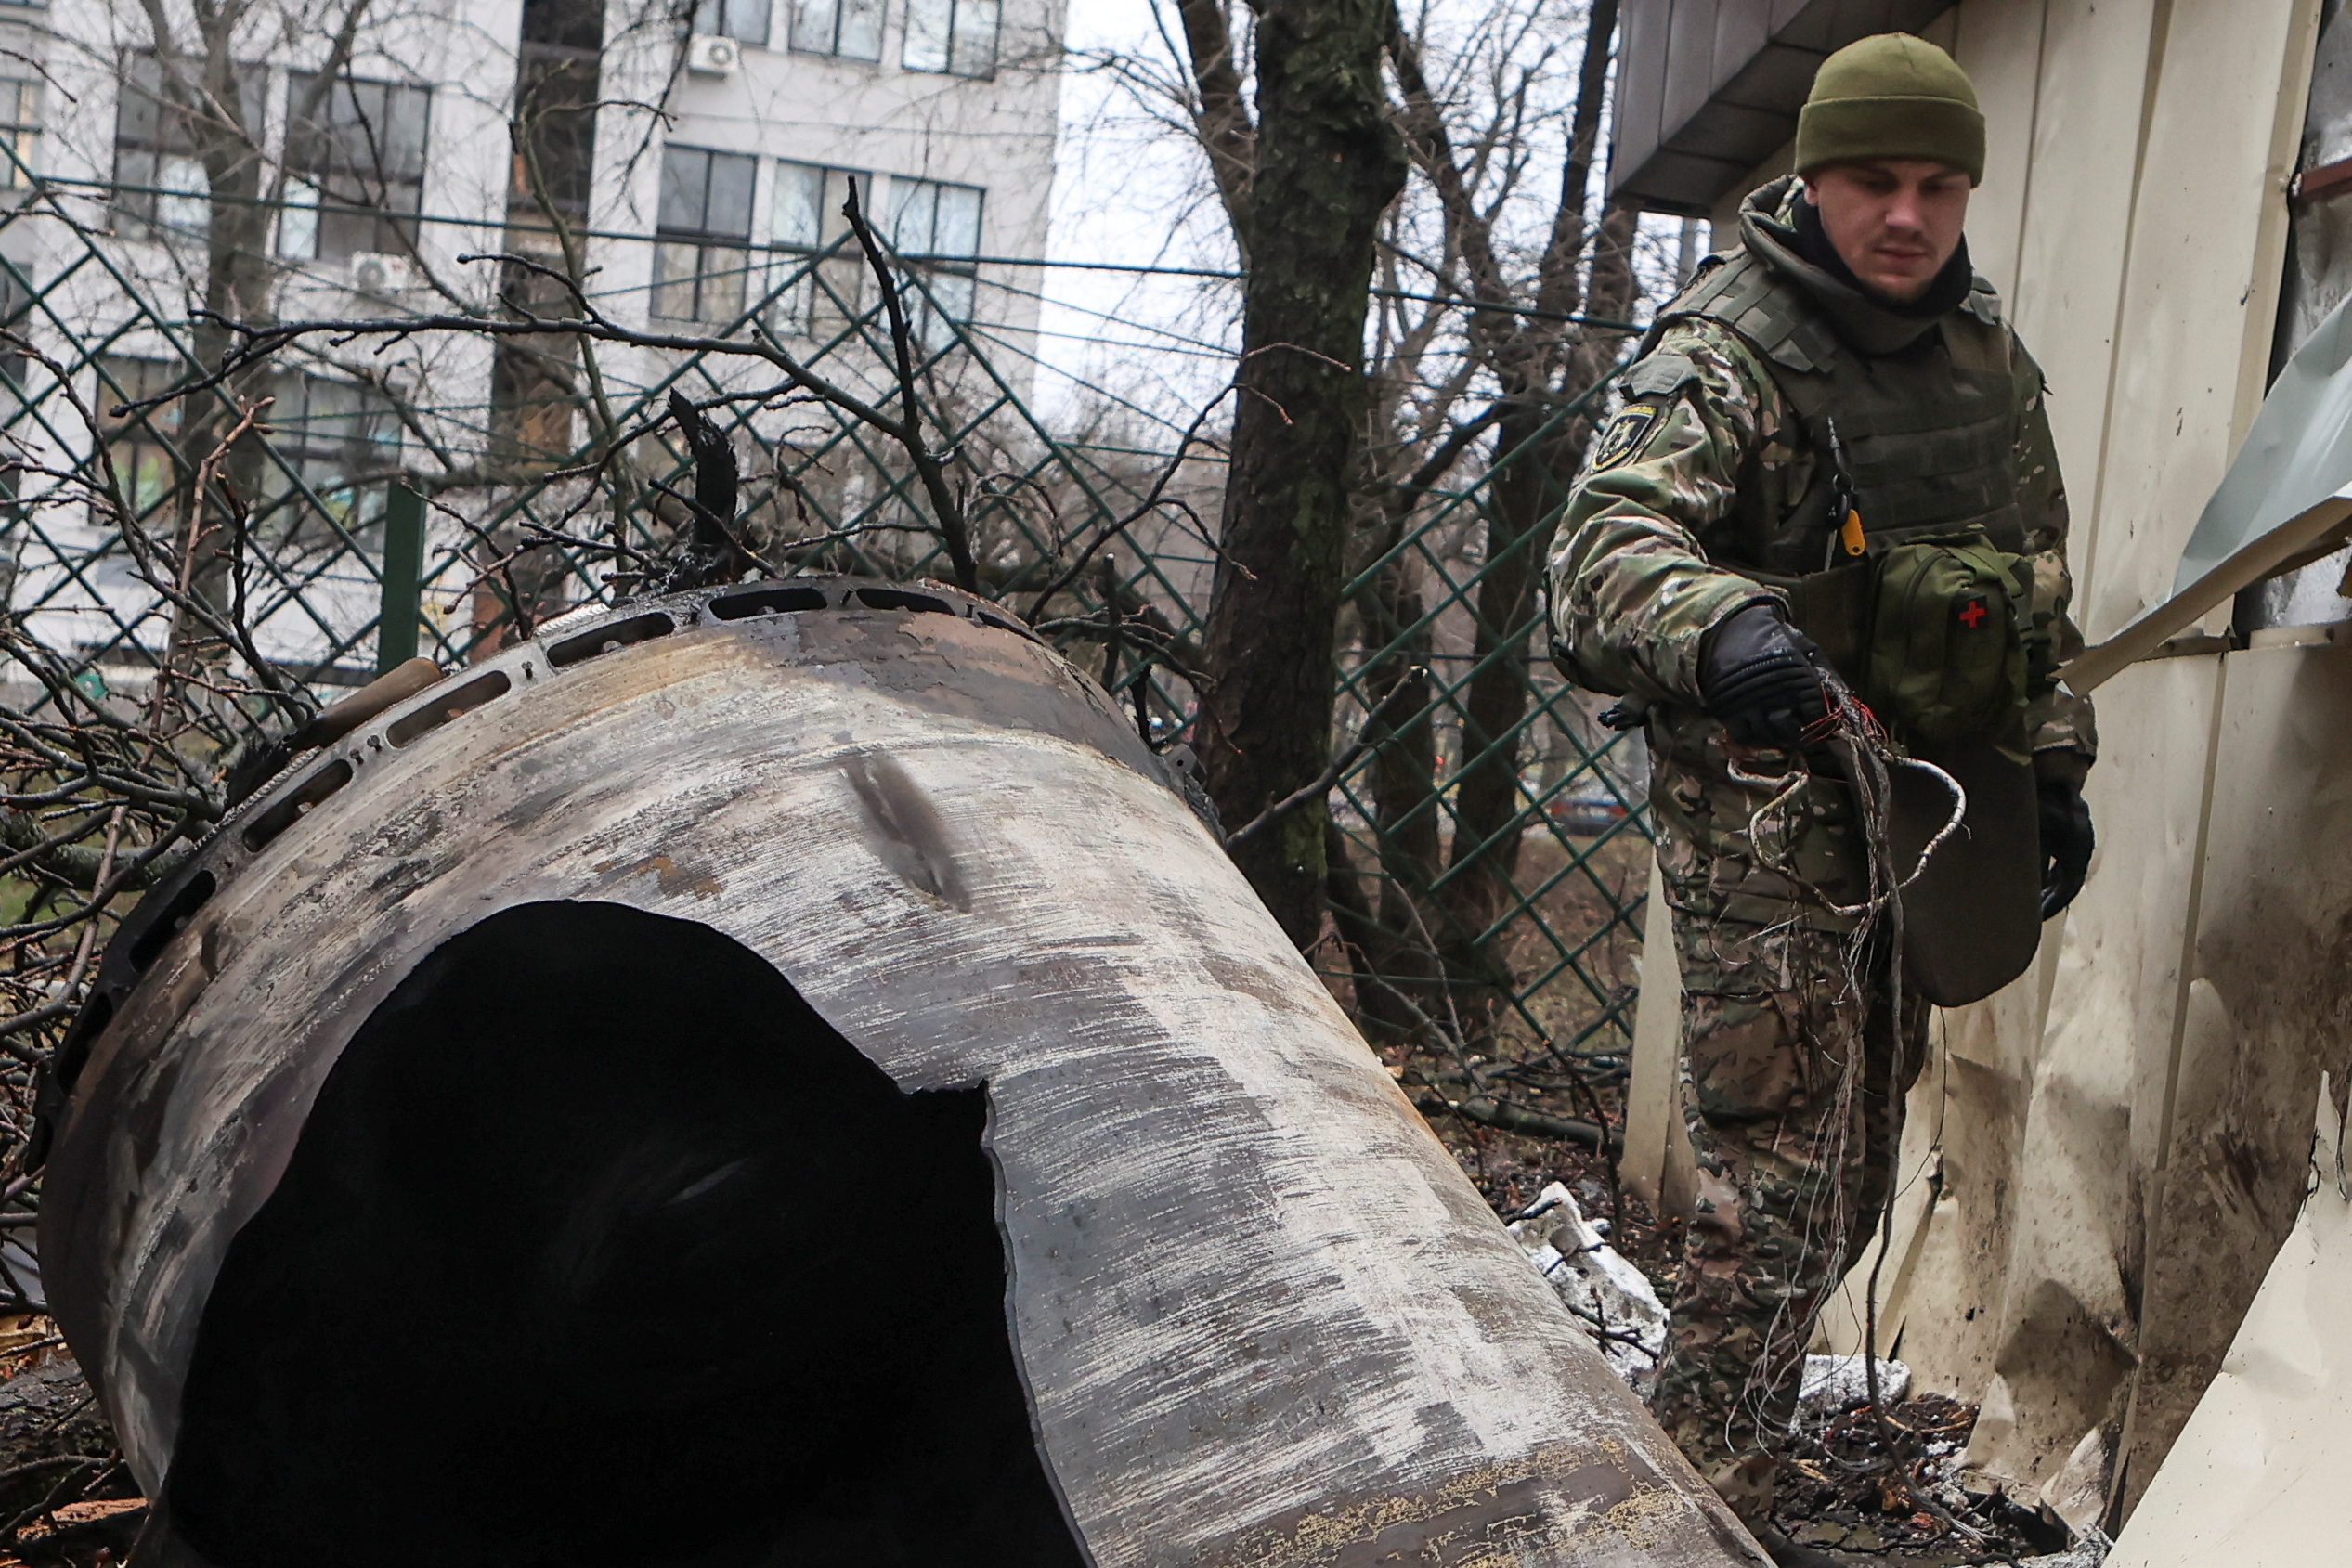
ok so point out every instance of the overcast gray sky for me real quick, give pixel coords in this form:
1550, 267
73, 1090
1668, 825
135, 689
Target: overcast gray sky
1130, 192
1127, 191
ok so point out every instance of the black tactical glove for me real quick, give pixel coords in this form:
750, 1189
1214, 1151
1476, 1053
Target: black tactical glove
2066, 828
1763, 678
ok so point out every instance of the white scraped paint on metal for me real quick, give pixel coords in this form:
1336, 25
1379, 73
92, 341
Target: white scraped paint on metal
1264, 1317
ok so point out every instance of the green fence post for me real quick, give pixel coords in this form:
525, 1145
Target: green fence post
399, 610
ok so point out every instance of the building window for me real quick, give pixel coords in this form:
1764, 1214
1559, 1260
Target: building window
956, 36
554, 132
161, 134
144, 447
808, 292
333, 435
809, 203
534, 381
703, 234
339, 438
937, 227
354, 168
851, 29
20, 128
333, 432
744, 19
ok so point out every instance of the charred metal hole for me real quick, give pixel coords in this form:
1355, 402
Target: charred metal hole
173, 918
767, 602
290, 807
610, 638
1000, 623
899, 599
441, 709
586, 1228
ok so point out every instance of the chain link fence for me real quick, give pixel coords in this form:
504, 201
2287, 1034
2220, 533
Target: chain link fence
1488, 850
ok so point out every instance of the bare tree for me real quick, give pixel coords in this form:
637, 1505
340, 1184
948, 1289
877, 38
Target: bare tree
1542, 361
1502, 285
1495, 305
1306, 181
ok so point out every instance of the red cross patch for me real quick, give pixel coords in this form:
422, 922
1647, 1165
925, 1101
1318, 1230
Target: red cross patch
1972, 614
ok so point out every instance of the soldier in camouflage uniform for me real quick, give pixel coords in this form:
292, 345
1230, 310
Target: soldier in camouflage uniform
1843, 360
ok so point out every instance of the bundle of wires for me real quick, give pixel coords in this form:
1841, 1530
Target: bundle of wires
1850, 744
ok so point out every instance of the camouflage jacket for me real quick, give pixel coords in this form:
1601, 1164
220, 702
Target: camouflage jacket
1661, 533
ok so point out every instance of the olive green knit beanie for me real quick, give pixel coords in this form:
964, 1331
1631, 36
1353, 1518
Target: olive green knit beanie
1891, 96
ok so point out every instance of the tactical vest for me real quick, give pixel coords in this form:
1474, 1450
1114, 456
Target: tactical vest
1925, 436
1928, 622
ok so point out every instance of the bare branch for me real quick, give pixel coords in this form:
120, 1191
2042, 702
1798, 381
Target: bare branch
1220, 117
1367, 738
946, 512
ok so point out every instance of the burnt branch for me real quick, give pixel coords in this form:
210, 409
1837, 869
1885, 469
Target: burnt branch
946, 511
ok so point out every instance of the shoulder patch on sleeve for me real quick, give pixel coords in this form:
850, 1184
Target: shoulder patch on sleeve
1622, 438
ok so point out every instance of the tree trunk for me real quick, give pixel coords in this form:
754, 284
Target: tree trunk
1525, 508
1401, 949
1328, 166
211, 90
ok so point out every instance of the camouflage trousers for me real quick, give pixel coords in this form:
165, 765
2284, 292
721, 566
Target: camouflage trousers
1794, 1076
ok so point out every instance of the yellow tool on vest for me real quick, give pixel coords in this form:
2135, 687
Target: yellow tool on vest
1845, 512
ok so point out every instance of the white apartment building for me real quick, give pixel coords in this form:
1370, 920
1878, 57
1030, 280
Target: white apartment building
735, 129
688, 153
944, 109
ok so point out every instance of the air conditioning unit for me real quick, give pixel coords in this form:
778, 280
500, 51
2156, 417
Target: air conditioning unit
710, 54
376, 272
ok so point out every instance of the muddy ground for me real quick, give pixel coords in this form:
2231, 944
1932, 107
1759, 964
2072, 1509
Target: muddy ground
65, 1498
1862, 1490
1866, 1491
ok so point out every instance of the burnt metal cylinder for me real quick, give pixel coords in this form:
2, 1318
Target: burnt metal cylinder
442, 1051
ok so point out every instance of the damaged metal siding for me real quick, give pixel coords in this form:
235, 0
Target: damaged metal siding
2103, 1160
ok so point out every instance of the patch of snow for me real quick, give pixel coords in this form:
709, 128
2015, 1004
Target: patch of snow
1835, 1384
1604, 1291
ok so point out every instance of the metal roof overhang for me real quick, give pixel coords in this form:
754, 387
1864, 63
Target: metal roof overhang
1708, 89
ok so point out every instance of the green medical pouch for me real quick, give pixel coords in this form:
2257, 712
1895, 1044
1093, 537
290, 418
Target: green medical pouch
1943, 655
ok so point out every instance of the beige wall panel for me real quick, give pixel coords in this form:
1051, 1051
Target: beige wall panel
2256, 1478
1657, 1166
2272, 1009
2200, 290
2070, 266
2070, 1199
1983, 1084
1998, 43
